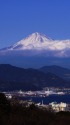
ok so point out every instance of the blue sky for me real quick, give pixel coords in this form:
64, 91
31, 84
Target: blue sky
19, 18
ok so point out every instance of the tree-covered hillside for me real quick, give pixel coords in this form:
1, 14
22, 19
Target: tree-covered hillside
15, 114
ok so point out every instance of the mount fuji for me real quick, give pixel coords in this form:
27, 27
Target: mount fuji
35, 51
38, 44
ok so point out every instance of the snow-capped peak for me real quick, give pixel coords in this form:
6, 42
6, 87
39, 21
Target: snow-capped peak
39, 43
33, 41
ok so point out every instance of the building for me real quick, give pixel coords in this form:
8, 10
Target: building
58, 106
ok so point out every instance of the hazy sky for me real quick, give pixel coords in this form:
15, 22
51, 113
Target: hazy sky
19, 18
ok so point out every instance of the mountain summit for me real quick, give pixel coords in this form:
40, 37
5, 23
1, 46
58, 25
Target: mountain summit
33, 41
37, 44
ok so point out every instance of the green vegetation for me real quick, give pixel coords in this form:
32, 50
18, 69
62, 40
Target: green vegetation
16, 114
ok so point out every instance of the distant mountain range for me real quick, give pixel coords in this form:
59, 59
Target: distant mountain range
14, 78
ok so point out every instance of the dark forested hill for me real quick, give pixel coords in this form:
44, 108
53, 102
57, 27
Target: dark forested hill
57, 70
14, 78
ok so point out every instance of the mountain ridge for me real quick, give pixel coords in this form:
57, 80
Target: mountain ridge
57, 70
15, 78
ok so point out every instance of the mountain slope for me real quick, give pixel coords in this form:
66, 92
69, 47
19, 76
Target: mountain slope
39, 44
34, 41
14, 78
57, 70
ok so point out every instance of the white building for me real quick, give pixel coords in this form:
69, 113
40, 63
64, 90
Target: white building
58, 106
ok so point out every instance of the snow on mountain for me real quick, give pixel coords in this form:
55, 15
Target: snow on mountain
33, 41
39, 42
